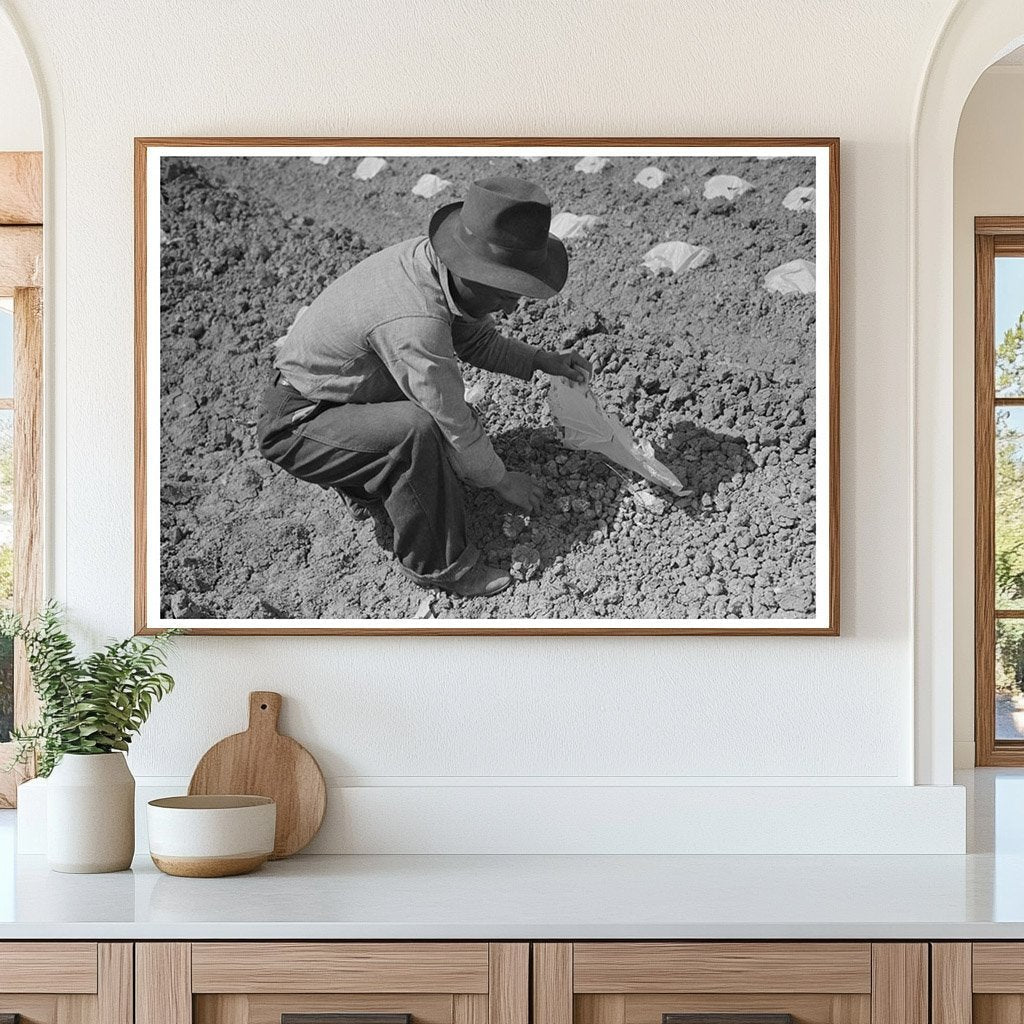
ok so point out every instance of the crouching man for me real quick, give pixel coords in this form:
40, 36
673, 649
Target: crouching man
367, 394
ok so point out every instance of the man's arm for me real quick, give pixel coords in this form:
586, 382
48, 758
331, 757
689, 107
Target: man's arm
419, 352
480, 343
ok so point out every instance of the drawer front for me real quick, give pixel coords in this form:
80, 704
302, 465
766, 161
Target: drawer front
741, 967
65, 967
332, 983
340, 967
66, 982
730, 983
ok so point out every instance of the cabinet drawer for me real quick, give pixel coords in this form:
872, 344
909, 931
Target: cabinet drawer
66, 967
332, 983
730, 983
750, 967
66, 982
340, 967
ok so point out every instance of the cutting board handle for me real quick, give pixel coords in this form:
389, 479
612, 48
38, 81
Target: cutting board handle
264, 710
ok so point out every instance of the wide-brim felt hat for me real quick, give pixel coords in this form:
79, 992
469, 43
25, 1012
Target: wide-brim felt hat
499, 236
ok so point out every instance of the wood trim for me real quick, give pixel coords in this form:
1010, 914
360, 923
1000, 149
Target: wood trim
75, 1009
951, 983
21, 188
21, 258
69, 968
339, 967
552, 983
831, 144
994, 236
115, 983
606, 1009
984, 502
634, 967
28, 505
163, 983
28, 482
999, 226
469, 1009
899, 983
508, 988
227, 1009
12, 779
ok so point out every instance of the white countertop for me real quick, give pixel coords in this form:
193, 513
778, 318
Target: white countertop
977, 896
517, 897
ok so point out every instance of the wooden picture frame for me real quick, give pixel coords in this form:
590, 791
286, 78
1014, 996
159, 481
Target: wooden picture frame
153, 608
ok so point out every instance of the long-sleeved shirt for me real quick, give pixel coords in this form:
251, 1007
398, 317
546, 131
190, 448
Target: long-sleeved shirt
392, 321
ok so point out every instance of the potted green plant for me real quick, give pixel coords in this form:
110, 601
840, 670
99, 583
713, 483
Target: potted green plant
90, 708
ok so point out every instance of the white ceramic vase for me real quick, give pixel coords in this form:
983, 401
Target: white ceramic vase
90, 814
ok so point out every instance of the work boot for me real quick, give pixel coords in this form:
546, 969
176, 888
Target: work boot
481, 581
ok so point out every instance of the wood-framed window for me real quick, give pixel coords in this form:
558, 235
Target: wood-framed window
999, 490
21, 367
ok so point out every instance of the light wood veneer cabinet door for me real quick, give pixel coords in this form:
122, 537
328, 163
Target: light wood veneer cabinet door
66, 982
332, 983
730, 983
978, 983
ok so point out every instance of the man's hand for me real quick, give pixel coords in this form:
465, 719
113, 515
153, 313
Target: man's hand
522, 490
568, 364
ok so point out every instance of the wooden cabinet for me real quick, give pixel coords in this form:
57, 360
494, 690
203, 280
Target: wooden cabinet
753, 982
978, 983
66, 982
512, 983
308, 982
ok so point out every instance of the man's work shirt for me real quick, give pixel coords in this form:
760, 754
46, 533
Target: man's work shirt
392, 320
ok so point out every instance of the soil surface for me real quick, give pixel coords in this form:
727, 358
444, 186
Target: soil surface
712, 369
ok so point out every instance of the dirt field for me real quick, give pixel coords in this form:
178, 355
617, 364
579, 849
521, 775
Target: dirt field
710, 367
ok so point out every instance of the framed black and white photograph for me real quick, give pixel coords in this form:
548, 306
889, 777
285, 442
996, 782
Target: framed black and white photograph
487, 385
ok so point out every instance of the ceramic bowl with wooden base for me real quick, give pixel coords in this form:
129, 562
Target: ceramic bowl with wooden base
211, 836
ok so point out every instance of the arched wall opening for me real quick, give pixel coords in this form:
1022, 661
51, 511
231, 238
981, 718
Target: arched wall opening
989, 153
975, 36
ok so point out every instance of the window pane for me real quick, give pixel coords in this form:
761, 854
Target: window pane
1009, 679
6, 353
6, 563
1009, 338
1009, 508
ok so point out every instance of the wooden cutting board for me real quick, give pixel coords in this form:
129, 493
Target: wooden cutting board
262, 762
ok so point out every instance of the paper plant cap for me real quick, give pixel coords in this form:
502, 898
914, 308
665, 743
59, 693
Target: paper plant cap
369, 167
567, 225
676, 257
650, 177
587, 427
592, 164
429, 185
799, 199
795, 276
726, 186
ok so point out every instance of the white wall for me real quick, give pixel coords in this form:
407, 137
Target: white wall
465, 711
987, 182
21, 127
